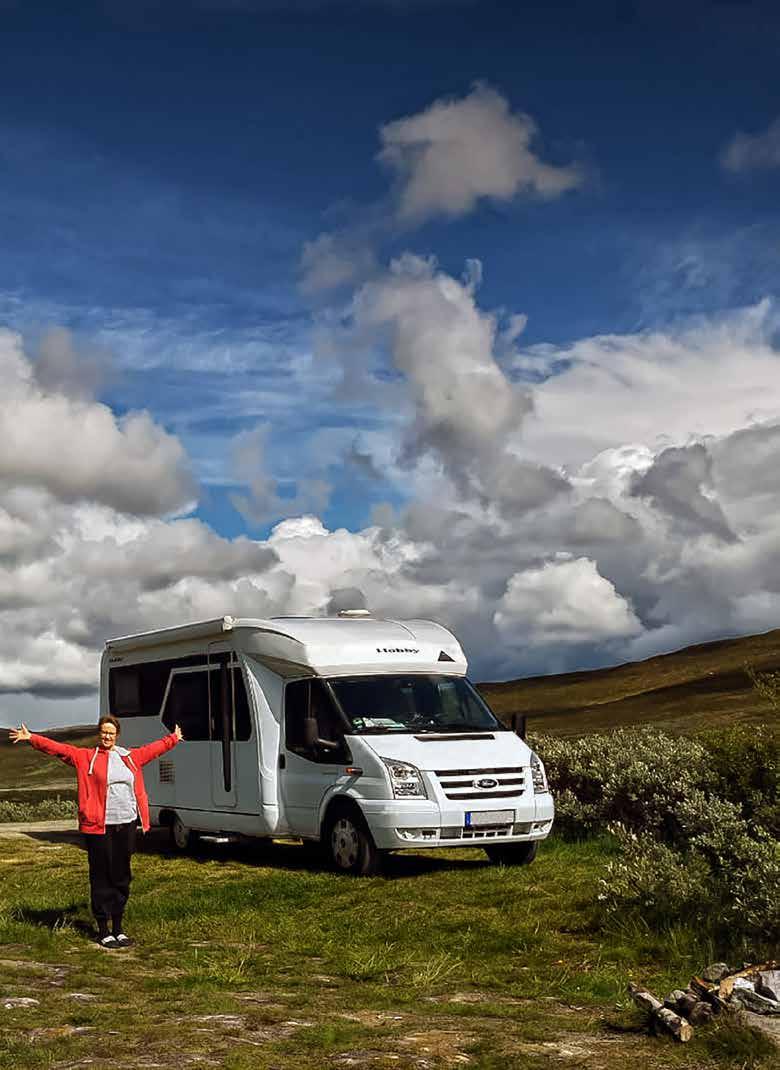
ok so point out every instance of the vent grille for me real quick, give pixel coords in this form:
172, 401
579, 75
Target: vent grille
507, 782
167, 772
437, 737
486, 834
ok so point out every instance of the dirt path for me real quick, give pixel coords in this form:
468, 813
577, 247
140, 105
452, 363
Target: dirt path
13, 829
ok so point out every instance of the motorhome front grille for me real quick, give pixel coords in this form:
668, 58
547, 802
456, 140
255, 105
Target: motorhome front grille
167, 772
457, 833
503, 783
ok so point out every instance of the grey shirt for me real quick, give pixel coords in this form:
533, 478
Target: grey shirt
121, 806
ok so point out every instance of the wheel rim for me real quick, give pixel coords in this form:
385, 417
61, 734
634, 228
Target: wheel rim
345, 844
181, 834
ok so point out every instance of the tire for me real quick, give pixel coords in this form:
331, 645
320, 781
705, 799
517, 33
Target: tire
350, 846
182, 838
513, 854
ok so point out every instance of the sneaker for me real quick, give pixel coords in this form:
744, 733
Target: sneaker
108, 942
122, 940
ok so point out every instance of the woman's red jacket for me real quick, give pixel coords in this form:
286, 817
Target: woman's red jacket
91, 765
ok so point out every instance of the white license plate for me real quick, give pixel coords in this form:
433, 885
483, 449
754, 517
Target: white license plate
476, 818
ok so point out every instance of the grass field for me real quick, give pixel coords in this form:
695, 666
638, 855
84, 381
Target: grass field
252, 958
255, 958
699, 687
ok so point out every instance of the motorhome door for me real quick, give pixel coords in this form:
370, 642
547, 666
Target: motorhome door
222, 724
309, 769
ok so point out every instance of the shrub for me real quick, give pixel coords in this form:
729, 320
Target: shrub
635, 777
744, 763
727, 890
696, 820
42, 810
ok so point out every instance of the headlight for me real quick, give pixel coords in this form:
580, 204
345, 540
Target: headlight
405, 780
538, 775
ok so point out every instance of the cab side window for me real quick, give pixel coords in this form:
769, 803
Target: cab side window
309, 698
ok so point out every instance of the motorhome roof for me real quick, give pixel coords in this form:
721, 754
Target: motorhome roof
325, 645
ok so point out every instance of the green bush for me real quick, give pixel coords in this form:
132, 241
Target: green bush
744, 763
42, 810
635, 777
696, 820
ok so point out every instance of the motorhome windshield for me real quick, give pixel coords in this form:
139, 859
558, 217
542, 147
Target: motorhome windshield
419, 704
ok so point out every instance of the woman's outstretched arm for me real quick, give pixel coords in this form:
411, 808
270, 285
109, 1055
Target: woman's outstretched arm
150, 751
64, 751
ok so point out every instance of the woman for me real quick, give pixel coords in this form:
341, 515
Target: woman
112, 798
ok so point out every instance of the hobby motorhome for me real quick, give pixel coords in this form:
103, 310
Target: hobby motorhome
360, 734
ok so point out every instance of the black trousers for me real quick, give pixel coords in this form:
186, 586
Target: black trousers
109, 870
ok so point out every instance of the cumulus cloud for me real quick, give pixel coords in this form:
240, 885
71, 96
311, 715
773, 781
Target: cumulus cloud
753, 152
653, 389
78, 370
678, 482
563, 602
549, 535
457, 151
78, 450
466, 413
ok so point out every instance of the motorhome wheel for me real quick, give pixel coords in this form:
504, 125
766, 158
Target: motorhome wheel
513, 854
352, 850
181, 836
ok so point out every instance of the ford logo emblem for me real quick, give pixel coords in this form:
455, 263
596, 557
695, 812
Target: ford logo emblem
486, 782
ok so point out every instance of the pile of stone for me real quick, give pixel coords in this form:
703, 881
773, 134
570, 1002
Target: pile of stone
754, 988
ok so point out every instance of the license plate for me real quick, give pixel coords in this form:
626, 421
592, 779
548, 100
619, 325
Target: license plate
477, 818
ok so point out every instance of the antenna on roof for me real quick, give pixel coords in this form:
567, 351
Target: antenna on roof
354, 612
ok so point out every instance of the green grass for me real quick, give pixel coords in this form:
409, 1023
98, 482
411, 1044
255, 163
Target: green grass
249, 958
698, 687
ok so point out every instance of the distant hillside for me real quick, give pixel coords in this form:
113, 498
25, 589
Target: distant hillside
690, 689
22, 767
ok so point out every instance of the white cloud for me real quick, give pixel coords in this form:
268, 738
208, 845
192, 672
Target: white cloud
77, 449
466, 414
653, 389
563, 602
458, 151
663, 532
753, 152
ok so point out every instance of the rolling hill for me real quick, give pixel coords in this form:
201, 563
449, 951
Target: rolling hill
690, 689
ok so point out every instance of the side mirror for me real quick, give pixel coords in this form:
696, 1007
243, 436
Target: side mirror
312, 739
518, 724
310, 732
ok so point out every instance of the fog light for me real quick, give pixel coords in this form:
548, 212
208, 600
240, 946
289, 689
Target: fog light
540, 826
417, 834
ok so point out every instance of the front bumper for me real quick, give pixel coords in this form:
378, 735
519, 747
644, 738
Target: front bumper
400, 823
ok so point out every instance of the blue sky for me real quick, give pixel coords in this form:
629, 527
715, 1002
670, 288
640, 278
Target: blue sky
164, 169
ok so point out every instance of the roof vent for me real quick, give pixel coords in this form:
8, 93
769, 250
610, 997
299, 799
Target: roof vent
444, 656
354, 613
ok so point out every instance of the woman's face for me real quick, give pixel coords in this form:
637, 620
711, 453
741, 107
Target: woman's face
107, 735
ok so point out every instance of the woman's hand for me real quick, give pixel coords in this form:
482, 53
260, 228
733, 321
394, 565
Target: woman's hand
20, 734
178, 733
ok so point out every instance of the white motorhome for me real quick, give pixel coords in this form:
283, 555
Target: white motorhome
359, 734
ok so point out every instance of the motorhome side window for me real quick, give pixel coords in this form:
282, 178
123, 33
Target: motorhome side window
233, 692
309, 698
139, 690
187, 704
